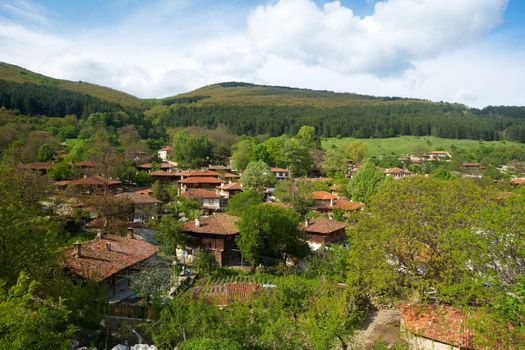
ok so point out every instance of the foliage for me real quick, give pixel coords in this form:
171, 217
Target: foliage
257, 176
204, 262
168, 232
270, 230
297, 193
243, 153
429, 238
244, 200
365, 181
191, 151
210, 344
335, 162
29, 322
356, 151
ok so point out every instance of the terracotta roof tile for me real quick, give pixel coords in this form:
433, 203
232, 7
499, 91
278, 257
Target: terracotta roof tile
200, 180
163, 173
167, 149
323, 226
94, 181
137, 198
218, 224
234, 186
198, 172
518, 181
102, 258
282, 170
397, 171
323, 195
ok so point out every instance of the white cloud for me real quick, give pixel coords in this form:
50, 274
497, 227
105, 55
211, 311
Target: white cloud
418, 48
397, 35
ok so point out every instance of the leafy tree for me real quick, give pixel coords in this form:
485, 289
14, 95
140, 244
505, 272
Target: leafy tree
30, 322
61, 171
365, 181
204, 261
335, 161
257, 176
356, 151
308, 137
442, 174
161, 192
244, 201
45, 153
427, 237
29, 242
191, 151
298, 158
270, 230
243, 153
297, 194
210, 344
168, 232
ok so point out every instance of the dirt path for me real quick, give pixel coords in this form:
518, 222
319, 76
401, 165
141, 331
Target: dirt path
379, 325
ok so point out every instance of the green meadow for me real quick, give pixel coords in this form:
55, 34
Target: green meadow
405, 145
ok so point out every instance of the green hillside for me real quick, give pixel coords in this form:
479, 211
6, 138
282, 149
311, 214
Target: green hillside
12, 73
234, 93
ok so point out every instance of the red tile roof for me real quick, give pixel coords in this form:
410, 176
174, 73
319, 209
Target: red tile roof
200, 193
230, 175
196, 173
102, 258
200, 180
323, 226
226, 293
346, 204
137, 198
150, 166
397, 171
281, 170
323, 195
93, 181
441, 323
218, 224
167, 149
234, 186
146, 192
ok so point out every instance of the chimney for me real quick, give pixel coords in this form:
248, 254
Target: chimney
306, 222
197, 223
108, 245
130, 233
331, 202
100, 233
78, 250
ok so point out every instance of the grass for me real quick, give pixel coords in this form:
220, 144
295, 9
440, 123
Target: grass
405, 145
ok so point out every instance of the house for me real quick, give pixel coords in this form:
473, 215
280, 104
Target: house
471, 165
429, 327
164, 176
229, 190
322, 231
439, 155
198, 173
109, 259
91, 184
40, 167
211, 200
326, 201
165, 153
397, 173
280, 173
199, 182
166, 166
145, 208
215, 233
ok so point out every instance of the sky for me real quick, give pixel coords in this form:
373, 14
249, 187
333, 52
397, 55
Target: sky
465, 51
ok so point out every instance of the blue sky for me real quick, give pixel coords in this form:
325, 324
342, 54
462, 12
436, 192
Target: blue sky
467, 51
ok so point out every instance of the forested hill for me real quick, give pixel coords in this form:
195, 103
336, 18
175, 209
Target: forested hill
33, 93
255, 109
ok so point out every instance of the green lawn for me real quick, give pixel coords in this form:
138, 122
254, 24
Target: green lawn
405, 145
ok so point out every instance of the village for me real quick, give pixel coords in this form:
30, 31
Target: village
170, 235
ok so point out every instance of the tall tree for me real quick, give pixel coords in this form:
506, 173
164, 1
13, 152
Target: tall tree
365, 181
356, 151
243, 153
191, 151
335, 161
257, 176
